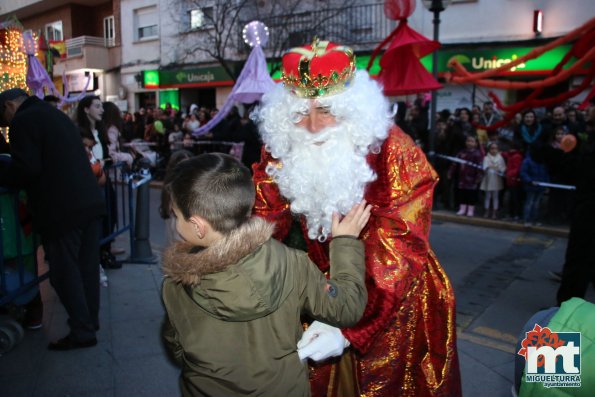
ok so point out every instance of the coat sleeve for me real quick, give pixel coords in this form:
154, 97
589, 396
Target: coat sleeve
168, 331
113, 135
26, 153
269, 204
501, 165
525, 172
340, 300
397, 246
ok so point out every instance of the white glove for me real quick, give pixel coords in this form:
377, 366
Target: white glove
321, 341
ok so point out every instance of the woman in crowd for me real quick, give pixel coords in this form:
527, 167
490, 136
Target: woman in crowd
460, 129
89, 115
529, 131
113, 122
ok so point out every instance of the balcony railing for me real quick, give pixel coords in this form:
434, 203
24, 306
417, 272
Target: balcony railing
88, 52
360, 26
74, 46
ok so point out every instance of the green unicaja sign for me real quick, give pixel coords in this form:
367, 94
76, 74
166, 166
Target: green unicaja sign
477, 60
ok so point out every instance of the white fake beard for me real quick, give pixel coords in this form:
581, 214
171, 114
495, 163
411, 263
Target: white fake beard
321, 179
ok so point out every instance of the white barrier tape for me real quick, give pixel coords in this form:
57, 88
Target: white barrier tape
212, 143
141, 181
555, 185
139, 143
134, 144
469, 163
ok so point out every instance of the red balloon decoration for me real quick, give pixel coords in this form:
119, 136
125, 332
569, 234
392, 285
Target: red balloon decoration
401, 71
398, 9
568, 143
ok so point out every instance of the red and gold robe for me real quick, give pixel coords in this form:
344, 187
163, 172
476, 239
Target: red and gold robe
405, 343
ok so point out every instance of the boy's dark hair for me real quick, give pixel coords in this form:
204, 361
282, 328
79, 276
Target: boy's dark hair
216, 187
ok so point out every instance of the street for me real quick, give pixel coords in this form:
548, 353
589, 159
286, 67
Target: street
500, 279
499, 276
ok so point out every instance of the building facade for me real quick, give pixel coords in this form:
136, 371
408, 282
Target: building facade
150, 52
84, 37
486, 33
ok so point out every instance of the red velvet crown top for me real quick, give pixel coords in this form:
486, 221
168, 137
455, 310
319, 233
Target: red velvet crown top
318, 69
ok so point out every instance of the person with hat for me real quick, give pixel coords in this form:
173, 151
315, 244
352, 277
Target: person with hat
50, 163
329, 143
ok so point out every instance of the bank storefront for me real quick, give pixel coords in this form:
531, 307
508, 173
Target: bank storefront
209, 86
206, 86
479, 59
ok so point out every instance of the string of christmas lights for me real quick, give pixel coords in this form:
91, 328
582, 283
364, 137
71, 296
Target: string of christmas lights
13, 60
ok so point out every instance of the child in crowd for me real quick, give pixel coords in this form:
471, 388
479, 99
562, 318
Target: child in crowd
97, 168
492, 184
469, 175
175, 138
234, 295
514, 159
96, 165
533, 170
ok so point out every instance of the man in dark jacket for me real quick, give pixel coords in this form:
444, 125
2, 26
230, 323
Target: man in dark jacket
49, 162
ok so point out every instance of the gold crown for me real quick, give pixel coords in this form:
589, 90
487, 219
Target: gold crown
320, 69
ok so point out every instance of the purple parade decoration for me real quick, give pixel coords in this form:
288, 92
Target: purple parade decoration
38, 78
254, 80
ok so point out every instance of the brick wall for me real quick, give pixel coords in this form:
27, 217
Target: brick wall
38, 22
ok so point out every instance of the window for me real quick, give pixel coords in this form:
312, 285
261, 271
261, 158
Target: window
54, 32
146, 23
109, 32
201, 17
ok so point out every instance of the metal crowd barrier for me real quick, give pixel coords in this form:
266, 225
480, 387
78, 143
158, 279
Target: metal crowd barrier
18, 260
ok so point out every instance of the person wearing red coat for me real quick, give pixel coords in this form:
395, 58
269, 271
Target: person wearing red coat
514, 159
329, 142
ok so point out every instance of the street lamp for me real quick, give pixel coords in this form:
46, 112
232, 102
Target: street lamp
435, 6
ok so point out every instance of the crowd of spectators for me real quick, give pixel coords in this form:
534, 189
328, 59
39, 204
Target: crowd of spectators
506, 172
166, 130
536, 152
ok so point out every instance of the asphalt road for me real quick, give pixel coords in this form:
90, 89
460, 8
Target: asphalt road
500, 279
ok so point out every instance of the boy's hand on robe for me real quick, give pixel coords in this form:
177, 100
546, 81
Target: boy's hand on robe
353, 223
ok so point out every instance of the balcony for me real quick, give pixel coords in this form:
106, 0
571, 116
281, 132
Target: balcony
88, 52
361, 27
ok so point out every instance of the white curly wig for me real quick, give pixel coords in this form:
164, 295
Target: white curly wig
321, 179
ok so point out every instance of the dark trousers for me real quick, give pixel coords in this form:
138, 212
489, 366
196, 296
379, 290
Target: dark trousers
74, 274
515, 205
468, 196
579, 266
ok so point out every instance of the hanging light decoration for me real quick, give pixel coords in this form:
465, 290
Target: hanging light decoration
255, 33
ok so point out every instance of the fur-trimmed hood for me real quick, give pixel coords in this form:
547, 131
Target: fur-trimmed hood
183, 263
232, 279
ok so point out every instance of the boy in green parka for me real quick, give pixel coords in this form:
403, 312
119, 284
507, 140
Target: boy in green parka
234, 295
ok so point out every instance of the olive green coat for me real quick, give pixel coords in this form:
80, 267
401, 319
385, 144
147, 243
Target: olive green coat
233, 310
